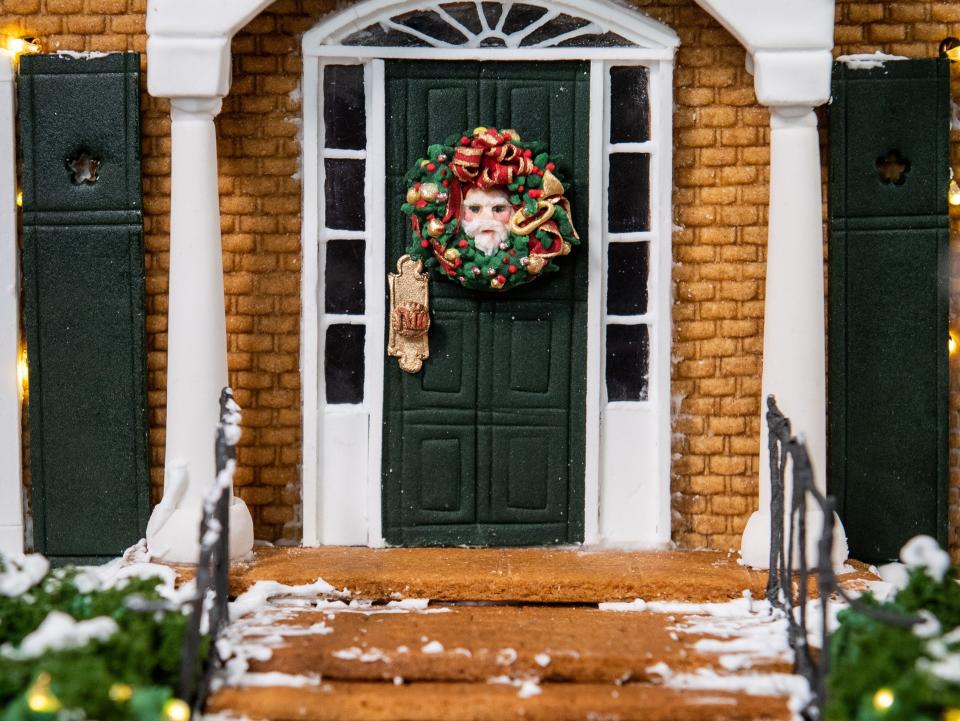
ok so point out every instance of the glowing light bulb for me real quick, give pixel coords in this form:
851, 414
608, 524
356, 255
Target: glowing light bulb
951, 714
883, 699
176, 710
953, 195
20, 46
40, 698
952, 348
23, 372
19, 198
120, 692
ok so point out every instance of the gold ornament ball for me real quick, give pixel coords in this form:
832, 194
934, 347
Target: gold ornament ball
429, 191
452, 255
535, 264
413, 195
435, 228
496, 283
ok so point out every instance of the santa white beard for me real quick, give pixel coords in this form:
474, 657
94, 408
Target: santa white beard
487, 234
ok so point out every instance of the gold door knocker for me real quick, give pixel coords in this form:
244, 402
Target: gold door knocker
409, 314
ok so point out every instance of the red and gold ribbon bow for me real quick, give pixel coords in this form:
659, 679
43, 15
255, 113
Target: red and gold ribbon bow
491, 159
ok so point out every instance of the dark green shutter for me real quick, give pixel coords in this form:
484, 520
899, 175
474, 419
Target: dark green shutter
83, 284
486, 445
888, 303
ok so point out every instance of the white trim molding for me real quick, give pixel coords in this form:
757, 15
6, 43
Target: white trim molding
627, 480
11, 477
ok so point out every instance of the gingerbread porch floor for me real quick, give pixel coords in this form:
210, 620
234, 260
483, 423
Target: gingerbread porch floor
507, 634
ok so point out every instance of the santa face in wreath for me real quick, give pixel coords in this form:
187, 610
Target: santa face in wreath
485, 218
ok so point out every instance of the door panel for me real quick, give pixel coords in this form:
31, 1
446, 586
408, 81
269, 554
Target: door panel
485, 445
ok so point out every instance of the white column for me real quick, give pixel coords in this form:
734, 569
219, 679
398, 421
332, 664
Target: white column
196, 340
11, 506
794, 369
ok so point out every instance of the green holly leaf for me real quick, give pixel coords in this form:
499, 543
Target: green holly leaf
514, 199
541, 161
533, 181
529, 205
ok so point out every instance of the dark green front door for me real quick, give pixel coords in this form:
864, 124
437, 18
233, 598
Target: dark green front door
485, 446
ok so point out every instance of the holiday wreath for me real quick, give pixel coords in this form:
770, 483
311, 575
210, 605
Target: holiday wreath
488, 211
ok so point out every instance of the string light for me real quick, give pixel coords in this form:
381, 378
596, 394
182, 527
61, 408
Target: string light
883, 699
23, 372
953, 195
40, 698
176, 710
19, 198
21, 46
120, 692
952, 348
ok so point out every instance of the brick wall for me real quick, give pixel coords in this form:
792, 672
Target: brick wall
721, 173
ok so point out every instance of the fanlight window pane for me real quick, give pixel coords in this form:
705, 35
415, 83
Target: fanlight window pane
492, 12
343, 191
629, 105
379, 36
343, 277
558, 26
628, 362
604, 40
627, 274
344, 114
465, 14
343, 363
521, 15
430, 23
628, 195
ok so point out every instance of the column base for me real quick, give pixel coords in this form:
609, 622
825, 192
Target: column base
178, 539
755, 544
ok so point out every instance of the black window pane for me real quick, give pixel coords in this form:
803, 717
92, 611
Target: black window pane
522, 15
343, 277
627, 271
558, 26
343, 363
629, 105
344, 192
377, 35
598, 40
464, 13
344, 114
491, 12
628, 351
431, 24
628, 197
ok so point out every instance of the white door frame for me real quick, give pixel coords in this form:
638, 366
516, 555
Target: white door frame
627, 478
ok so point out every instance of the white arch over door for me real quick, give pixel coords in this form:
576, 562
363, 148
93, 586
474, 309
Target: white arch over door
627, 484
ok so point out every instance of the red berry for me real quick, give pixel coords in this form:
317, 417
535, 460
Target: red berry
505, 260
446, 183
520, 189
534, 194
492, 131
443, 172
550, 166
421, 203
463, 244
513, 252
528, 153
501, 279
464, 140
512, 269
424, 243
431, 167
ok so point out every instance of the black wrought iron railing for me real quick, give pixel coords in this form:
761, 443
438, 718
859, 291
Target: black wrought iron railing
210, 613
788, 587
